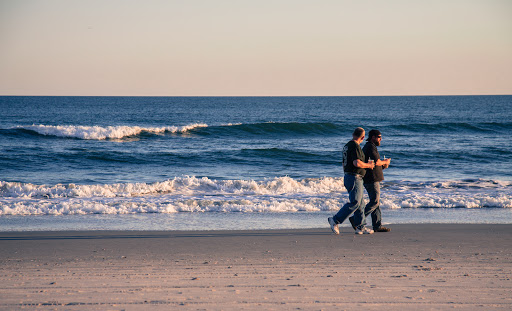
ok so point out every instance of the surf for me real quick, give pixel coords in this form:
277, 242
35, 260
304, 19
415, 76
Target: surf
104, 133
272, 195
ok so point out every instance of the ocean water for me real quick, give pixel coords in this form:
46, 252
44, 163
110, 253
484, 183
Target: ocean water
187, 163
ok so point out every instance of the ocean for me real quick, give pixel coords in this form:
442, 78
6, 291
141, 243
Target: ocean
208, 163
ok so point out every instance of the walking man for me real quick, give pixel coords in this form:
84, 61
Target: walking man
372, 180
354, 166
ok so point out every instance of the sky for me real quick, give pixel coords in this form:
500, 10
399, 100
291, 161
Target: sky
255, 48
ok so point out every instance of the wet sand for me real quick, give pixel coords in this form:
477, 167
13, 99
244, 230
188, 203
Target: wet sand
425, 267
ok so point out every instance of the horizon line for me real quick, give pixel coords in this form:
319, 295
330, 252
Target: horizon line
432, 95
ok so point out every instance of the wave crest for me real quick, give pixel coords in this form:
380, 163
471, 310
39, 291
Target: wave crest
180, 185
101, 133
280, 194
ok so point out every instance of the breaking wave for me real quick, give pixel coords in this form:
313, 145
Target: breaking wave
280, 194
246, 129
101, 133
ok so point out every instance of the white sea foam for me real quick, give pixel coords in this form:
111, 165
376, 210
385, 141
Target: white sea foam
178, 186
109, 132
282, 194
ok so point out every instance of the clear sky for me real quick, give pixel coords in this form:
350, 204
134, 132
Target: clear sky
255, 48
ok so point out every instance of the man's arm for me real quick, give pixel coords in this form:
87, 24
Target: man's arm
383, 163
375, 156
361, 164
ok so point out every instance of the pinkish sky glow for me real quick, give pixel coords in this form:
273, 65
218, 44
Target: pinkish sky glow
255, 48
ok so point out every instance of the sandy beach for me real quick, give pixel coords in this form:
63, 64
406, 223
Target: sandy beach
425, 267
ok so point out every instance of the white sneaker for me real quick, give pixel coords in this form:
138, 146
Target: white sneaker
334, 226
364, 230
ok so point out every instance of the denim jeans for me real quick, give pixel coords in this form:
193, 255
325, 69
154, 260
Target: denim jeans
373, 207
354, 185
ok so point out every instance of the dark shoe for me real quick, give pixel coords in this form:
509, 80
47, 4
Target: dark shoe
381, 229
351, 219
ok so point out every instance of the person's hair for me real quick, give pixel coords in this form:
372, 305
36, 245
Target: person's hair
358, 132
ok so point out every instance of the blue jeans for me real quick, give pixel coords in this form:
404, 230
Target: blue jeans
373, 207
354, 185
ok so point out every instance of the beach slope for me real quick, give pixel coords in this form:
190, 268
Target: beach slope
428, 266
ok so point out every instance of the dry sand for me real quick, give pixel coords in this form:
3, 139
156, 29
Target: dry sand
421, 267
